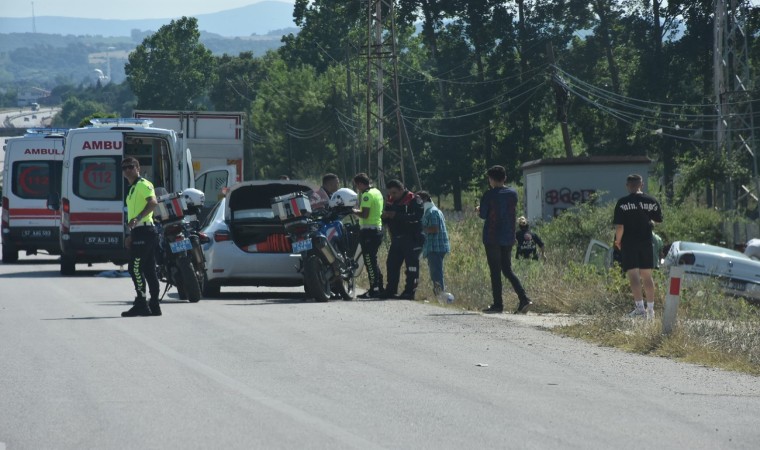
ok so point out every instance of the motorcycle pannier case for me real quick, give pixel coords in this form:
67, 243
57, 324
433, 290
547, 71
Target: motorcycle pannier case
291, 207
170, 207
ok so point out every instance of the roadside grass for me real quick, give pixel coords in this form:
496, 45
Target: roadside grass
712, 330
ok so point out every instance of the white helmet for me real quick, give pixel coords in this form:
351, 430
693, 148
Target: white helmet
343, 197
194, 197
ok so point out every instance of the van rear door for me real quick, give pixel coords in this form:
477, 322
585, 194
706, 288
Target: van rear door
93, 213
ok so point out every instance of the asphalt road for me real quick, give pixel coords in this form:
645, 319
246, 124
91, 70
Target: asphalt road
261, 368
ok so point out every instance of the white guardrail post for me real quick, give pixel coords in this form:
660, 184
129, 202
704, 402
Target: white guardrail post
673, 297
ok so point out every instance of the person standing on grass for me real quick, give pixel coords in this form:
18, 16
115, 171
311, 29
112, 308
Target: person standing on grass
634, 218
497, 207
403, 215
436, 241
370, 231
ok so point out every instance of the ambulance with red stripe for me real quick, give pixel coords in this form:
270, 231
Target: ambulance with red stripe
93, 221
31, 175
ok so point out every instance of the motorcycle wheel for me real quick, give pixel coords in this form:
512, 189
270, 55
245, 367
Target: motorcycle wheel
178, 283
189, 281
314, 278
346, 288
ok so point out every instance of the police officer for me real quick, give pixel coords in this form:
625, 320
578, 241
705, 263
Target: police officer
142, 240
403, 215
370, 232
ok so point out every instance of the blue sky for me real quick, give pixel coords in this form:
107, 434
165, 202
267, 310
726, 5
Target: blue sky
131, 9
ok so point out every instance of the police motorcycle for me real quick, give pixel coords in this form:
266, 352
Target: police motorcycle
180, 257
325, 234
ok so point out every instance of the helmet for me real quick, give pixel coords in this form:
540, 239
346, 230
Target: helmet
193, 197
343, 197
522, 221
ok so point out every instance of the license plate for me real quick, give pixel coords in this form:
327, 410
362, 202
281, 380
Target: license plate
180, 246
36, 234
737, 285
101, 240
302, 246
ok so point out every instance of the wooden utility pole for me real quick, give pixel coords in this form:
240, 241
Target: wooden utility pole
561, 95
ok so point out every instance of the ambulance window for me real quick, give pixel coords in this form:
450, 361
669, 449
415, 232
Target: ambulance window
32, 179
98, 178
163, 168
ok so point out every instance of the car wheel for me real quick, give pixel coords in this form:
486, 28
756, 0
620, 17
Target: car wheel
68, 265
10, 254
210, 289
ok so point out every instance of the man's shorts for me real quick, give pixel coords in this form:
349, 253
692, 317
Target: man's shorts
637, 255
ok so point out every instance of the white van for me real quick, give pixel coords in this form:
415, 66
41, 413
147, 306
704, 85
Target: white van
32, 175
92, 204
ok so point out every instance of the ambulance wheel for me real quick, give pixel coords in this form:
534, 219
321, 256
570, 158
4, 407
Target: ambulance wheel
10, 254
68, 265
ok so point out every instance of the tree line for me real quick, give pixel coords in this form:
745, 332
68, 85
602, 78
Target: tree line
477, 85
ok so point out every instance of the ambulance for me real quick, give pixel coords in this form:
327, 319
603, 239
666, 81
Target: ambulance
93, 213
32, 175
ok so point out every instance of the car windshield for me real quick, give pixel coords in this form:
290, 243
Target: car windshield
696, 247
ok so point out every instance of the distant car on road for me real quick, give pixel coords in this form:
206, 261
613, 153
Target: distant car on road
26, 119
34, 116
738, 273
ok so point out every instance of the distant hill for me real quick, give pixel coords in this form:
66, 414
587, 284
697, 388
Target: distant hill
258, 18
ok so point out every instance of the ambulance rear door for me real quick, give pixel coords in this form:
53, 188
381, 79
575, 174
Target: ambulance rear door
93, 207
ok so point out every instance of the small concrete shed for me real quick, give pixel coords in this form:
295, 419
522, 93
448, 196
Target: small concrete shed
553, 185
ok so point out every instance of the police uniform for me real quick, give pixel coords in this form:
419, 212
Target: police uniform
142, 264
407, 240
371, 236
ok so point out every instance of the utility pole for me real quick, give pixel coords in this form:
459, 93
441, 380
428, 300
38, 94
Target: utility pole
561, 96
382, 62
733, 86
34, 20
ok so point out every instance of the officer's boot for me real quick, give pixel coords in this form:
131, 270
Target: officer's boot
155, 307
139, 308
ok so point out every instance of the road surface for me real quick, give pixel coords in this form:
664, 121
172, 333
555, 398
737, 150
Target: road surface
262, 368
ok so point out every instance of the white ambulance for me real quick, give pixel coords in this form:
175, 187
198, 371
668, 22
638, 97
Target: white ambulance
93, 221
32, 175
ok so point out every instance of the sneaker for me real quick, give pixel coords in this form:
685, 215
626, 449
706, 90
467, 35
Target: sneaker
139, 308
637, 314
406, 296
155, 307
650, 314
385, 295
524, 307
494, 309
369, 294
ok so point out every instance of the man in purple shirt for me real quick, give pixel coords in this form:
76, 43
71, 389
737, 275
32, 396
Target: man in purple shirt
497, 208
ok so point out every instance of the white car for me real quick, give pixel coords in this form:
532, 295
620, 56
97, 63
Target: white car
740, 273
247, 245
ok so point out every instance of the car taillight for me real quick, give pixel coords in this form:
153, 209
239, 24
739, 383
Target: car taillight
65, 220
687, 258
203, 238
221, 236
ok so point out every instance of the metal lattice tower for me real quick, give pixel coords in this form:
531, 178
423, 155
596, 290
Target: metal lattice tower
387, 139
733, 88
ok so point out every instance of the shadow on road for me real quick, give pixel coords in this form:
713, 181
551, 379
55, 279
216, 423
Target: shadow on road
85, 318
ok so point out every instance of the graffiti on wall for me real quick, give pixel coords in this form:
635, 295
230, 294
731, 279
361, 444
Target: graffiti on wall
565, 197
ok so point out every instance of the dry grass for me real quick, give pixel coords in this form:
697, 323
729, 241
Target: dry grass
713, 329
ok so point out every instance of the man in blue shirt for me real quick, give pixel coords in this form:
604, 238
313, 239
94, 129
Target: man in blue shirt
436, 242
497, 208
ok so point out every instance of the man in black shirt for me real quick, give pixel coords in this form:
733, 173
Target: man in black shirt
635, 215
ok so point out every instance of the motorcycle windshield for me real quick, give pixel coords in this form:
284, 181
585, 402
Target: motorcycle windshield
318, 199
